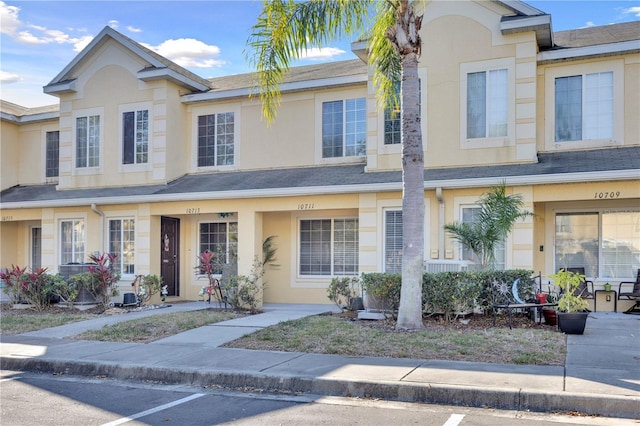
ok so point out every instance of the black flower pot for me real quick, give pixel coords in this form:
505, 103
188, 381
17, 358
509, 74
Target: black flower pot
572, 322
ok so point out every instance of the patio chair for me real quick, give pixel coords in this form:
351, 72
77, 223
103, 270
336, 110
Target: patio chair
583, 289
634, 294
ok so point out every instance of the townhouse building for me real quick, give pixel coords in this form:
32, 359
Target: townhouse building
146, 159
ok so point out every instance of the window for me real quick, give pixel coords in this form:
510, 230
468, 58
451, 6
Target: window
135, 137
344, 132
393, 120
487, 104
329, 247
52, 154
470, 215
220, 238
88, 141
122, 241
36, 248
72, 237
393, 241
584, 107
606, 244
216, 139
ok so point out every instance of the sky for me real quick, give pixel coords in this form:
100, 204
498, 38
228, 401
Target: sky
208, 37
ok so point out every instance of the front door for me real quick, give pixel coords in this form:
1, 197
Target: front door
170, 254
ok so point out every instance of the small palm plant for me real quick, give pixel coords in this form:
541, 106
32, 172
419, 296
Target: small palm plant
498, 214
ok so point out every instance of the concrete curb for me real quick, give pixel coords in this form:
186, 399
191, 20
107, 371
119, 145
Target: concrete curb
500, 398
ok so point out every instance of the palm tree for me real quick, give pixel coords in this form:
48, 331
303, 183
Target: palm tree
285, 28
497, 215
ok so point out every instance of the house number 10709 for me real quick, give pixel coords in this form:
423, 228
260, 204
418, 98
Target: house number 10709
607, 194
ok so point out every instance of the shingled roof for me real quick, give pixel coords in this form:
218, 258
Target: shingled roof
334, 179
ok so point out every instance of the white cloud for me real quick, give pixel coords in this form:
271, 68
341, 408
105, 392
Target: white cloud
635, 10
189, 53
8, 78
588, 24
320, 53
133, 29
30, 34
9, 21
113, 24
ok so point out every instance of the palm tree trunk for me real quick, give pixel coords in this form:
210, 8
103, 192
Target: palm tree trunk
410, 310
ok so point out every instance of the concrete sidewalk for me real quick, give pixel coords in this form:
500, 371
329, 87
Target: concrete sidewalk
601, 375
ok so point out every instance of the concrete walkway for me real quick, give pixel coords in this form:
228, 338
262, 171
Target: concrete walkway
601, 375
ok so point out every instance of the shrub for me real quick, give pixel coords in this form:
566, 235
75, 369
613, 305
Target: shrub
384, 288
568, 283
341, 290
66, 291
450, 293
453, 293
242, 292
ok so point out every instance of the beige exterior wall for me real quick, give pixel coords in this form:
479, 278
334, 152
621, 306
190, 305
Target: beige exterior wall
458, 40
9, 135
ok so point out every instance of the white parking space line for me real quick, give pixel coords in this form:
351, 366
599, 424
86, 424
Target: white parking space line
10, 378
454, 420
154, 410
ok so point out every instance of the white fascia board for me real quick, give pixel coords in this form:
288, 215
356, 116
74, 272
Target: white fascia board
522, 7
529, 22
548, 56
32, 118
338, 189
285, 87
62, 87
167, 73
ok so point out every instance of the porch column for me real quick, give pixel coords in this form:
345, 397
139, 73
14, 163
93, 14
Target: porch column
249, 241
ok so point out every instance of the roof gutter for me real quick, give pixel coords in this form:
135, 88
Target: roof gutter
600, 176
600, 50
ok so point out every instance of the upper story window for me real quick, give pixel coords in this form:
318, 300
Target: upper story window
72, 238
487, 104
393, 119
216, 144
52, 154
122, 241
584, 107
135, 137
88, 141
344, 132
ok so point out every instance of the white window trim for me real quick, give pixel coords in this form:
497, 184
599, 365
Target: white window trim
484, 66
58, 219
617, 66
123, 216
397, 148
140, 167
210, 110
331, 97
85, 171
396, 204
44, 131
472, 201
553, 210
232, 218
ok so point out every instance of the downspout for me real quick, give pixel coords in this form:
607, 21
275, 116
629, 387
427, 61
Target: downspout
101, 214
440, 223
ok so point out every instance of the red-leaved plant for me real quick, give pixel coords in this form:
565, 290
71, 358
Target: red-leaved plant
105, 278
29, 287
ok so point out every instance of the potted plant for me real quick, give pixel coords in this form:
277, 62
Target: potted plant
572, 315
